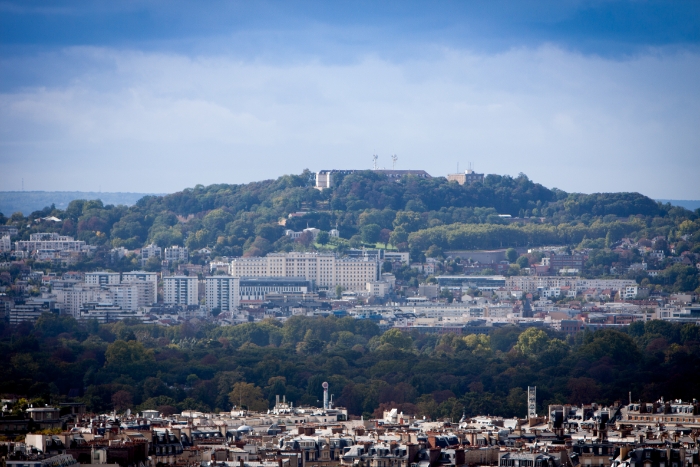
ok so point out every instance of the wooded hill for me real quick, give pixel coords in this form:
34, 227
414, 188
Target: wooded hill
411, 214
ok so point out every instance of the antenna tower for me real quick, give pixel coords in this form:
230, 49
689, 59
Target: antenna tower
394, 158
531, 401
374, 162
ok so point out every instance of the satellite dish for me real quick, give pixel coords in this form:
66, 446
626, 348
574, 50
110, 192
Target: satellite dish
325, 385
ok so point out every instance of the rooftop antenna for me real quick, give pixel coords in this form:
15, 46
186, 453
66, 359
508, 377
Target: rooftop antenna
394, 158
374, 161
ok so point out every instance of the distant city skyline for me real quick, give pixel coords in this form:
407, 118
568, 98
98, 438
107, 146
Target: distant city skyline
155, 97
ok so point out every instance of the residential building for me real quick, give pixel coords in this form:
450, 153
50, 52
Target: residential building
72, 296
475, 282
102, 278
467, 178
151, 296
177, 253
150, 251
30, 310
377, 288
50, 241
107, 313
222, 292
402, 257
531, 284
180, 290
324, 270
557, 262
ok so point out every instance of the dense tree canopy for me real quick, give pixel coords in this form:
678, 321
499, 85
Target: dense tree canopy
212, 368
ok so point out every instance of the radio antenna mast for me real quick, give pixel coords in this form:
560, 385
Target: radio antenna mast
394, 158
374, 162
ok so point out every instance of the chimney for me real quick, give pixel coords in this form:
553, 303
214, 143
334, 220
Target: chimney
434, 456
460, 457
412, 452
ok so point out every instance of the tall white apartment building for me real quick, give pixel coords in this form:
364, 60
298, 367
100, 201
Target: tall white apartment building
222, 292
49, 241
180, 290
176, 253
102, 278
125, 296
130, 296
325, 270
150, 290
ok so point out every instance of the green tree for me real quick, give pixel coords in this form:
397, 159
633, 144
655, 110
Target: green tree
531, 342
249, 396
370, 233
396, 339
511, 255
322, 238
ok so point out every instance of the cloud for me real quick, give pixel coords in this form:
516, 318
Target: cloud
140, 121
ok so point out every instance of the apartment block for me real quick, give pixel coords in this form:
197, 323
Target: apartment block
150, 251
222, 292
150, 278
180, 290
177, 253
102, 278
49, 241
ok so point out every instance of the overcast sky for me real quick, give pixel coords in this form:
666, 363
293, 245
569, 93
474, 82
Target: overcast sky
158, 96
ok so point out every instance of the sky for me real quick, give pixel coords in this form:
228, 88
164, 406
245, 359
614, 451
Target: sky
157, 96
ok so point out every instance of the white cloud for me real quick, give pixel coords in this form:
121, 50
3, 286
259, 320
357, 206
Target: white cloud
136, 121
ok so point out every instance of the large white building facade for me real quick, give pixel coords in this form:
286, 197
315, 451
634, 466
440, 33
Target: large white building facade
324, 270
180, 290
49, 241
150, 294
222, 292
531, 284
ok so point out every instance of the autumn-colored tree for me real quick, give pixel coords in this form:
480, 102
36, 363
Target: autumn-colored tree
249, 396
